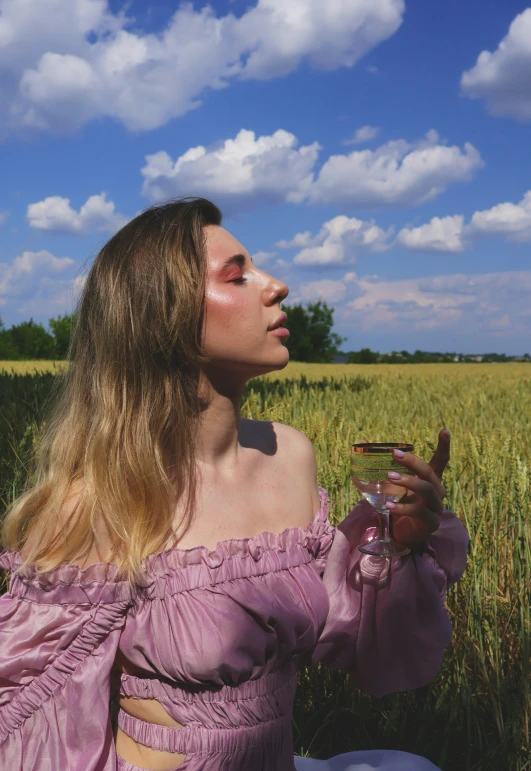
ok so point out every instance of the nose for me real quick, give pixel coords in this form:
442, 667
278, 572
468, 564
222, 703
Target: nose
277, 290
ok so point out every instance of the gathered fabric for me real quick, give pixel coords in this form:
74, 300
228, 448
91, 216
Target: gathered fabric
217, 638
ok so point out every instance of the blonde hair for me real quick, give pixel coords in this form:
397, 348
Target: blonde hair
119, 425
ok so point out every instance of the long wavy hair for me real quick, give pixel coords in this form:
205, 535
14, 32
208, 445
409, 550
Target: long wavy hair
119, 426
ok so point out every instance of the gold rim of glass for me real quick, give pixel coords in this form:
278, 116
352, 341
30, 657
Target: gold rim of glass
374, 448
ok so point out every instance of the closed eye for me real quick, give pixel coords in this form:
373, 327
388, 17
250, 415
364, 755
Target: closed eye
238, 280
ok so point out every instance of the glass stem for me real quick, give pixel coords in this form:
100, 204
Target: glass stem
385, 525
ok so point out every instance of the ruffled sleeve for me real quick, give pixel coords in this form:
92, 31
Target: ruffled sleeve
59, 633
387, 624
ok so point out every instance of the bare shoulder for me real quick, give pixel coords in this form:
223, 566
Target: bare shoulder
291, 449
71, 508
298, 449
293, 439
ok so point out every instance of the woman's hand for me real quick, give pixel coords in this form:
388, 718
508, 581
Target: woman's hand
418, 513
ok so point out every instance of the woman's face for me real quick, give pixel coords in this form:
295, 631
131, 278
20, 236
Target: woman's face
242, 301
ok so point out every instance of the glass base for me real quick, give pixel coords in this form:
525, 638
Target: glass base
384, 548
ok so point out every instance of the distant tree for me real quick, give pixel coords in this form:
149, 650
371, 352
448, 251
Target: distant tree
32, 341
365, 356
495, 357
8, 350
62, 330
311, 338
395, 357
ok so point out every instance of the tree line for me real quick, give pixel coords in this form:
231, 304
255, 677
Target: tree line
366, 356
311, 340
311, 337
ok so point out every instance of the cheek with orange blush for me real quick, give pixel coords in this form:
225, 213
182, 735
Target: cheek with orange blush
223, 309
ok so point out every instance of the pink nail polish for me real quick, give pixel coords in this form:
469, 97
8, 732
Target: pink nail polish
398, 453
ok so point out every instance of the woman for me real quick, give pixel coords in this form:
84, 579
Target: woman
120, 649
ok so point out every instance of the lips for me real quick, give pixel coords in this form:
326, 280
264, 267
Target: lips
279, 322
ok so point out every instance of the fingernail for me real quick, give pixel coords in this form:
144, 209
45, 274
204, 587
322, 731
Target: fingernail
393, 475
390, 505
398, 453
447, 432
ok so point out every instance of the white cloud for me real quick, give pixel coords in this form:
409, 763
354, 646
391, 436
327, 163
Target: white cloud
66, 62
55, 214
299, 240
39, 285
27, 272
441, 234
262, 259
328, 290
247, 170
340, 241
450, 234
398, 173
238, 172
505, 219
502, 322
503, 78
493, 301
330, 35
363, 134
415, 301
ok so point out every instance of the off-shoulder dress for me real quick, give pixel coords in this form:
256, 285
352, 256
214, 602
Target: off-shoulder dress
217, 637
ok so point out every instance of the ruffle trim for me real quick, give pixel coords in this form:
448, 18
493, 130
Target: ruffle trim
192, 740
96, 583
271, 683
65, 584
31, 697
254, 547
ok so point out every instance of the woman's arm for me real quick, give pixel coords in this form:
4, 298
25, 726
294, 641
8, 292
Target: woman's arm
387, 624
59, 633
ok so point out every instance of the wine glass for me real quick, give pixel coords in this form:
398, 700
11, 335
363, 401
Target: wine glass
370, 463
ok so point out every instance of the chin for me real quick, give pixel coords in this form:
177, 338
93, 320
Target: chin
282, 364
282, 360
271, 364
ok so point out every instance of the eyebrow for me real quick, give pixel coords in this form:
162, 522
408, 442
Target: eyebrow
236, 259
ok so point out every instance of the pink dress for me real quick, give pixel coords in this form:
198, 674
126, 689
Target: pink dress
218, 637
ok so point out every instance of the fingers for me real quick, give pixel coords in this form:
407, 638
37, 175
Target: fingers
422, 469
432, 494
441, 456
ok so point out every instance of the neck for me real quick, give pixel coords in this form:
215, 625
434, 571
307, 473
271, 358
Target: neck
218, 431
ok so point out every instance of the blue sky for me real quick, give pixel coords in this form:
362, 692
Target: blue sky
370, 153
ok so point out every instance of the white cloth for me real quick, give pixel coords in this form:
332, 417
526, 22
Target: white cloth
367, 760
